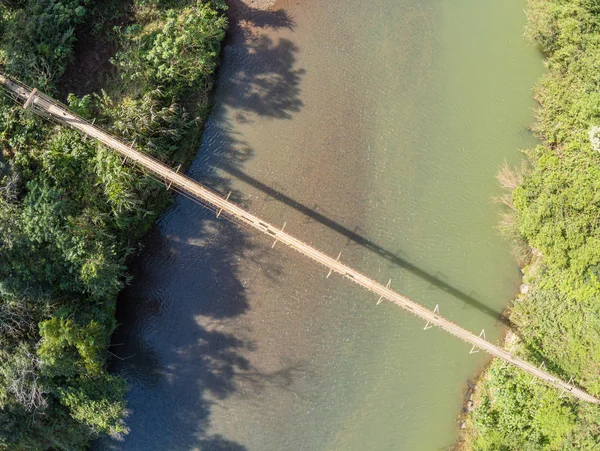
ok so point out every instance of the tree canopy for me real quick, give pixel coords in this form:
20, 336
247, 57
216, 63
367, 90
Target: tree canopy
71, 213
557, 209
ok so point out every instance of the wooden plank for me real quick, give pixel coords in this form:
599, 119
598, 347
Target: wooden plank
30, 98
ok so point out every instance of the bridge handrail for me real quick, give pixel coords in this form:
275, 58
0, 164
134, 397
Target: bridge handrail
49, 108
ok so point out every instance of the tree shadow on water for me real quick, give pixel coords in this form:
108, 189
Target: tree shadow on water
263, 79
244, 19
181, 343
178, 343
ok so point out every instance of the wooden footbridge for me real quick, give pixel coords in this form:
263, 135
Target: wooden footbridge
49, 108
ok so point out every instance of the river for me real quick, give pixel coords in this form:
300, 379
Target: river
374, 129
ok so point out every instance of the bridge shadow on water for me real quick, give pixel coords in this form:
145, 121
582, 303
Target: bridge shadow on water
181, 343
368, 244
275, 92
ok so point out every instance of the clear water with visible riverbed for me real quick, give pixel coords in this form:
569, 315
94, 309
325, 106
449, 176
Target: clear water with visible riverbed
372, 128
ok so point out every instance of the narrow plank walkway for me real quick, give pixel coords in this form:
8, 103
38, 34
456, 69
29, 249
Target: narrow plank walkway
49, 108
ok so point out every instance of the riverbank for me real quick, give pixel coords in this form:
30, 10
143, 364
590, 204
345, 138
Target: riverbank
555, 209
71, 212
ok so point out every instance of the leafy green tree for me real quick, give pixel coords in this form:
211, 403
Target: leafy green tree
557, 207
67, 349
39, 38
98, 403
180, 54
71, 212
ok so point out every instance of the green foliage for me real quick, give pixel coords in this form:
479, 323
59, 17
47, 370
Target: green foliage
67, 349
97, 403
59, 431
39, 37
47, 245
166, 61
150, 119
82, 106
558, 207
179, 53
70, 211
517, 415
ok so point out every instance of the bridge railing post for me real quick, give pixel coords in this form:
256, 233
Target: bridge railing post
331, 269
475, 349
435, 310
226, 200
542, 365
381, 297
275, 242
562, 393
30, 99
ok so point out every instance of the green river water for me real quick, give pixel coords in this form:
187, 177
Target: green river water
373, 128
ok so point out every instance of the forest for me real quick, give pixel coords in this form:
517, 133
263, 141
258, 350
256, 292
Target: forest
70, 213
553, 217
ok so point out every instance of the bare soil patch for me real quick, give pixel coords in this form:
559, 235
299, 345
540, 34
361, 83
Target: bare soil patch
91, 67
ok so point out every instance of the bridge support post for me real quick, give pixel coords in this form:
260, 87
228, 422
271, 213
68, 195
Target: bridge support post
171, 182
435, 310
562, 393
474, 349
381, 297
331, 270
30, 99
542, 365
220, 209
275, 242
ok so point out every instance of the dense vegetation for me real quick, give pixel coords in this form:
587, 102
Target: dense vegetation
557, 213
71, 213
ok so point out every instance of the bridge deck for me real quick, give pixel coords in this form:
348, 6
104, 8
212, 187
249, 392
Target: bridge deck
50, 108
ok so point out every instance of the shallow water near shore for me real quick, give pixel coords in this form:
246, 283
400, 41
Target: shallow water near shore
371, 128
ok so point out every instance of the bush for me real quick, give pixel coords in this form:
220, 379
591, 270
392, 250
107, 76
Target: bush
557, 205
70, 211
39, 36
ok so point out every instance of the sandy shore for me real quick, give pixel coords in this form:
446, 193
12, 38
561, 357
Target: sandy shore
259, 4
